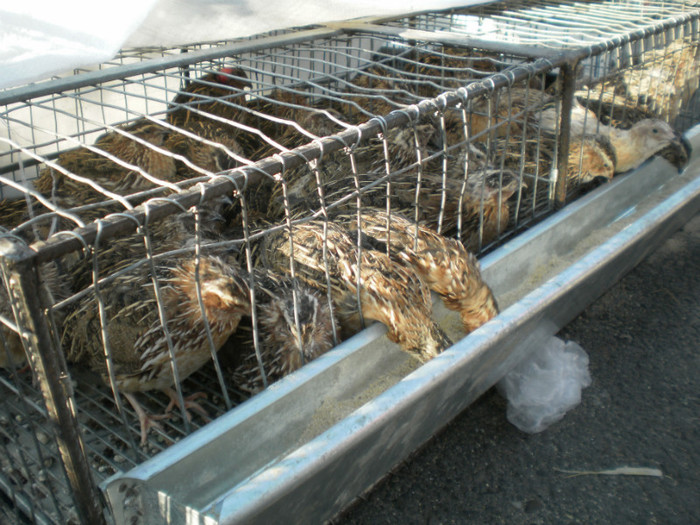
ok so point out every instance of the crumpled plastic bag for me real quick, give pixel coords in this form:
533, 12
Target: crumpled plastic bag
546, 385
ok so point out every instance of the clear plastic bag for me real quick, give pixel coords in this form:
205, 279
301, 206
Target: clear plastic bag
542, 388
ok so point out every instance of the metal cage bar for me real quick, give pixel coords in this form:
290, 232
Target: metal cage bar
20, 276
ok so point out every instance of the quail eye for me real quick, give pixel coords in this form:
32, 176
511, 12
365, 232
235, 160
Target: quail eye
655, 130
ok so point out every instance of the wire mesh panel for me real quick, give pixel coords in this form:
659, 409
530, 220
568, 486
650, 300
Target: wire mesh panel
130, 285
32, 476
556, 25
204, 223
633, 61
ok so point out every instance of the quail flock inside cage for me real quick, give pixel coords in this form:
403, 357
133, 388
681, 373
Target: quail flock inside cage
232, 224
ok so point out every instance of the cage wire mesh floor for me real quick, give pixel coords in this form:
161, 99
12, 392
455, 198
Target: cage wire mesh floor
179, 185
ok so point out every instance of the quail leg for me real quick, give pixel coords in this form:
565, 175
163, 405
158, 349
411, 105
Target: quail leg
146, 420
190, 404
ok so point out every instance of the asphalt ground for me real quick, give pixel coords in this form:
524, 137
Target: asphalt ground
641, 410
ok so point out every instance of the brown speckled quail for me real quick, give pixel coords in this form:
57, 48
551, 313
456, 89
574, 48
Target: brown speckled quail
40, 223
376, 90
643, 140
447, 267
538, 111
218, 93
139, 348
214, 107
615, 111
388, 292
662, 81
334, 173
476, 209
400, 147
131, 145
295, 324
282, 114
173, 232
454, 67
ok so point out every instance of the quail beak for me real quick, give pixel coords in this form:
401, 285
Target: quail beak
600, 179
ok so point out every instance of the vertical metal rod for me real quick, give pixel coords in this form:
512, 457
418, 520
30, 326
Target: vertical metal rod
19, 270
568, 87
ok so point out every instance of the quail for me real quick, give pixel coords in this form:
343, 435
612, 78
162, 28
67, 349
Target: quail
296, 325
447, 267
139, 345
325, 252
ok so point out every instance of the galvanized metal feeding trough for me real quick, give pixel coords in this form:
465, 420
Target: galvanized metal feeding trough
304, 447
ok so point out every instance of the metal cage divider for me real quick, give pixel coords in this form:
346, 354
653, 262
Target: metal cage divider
567, 80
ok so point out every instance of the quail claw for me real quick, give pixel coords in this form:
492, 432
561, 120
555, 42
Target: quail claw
146, 420
190, 404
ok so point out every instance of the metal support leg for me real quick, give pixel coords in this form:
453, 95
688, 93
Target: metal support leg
568, 87
20, 273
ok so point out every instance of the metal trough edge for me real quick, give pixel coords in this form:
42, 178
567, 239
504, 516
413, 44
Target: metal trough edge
322, 477
312, 482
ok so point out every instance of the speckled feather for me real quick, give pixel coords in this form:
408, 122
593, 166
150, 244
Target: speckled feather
207, 157
590, 157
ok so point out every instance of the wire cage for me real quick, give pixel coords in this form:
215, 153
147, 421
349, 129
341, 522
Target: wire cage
172, 220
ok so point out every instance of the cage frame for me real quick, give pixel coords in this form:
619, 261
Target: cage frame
23, 266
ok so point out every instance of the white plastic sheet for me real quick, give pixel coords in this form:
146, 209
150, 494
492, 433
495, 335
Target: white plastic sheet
40, 38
